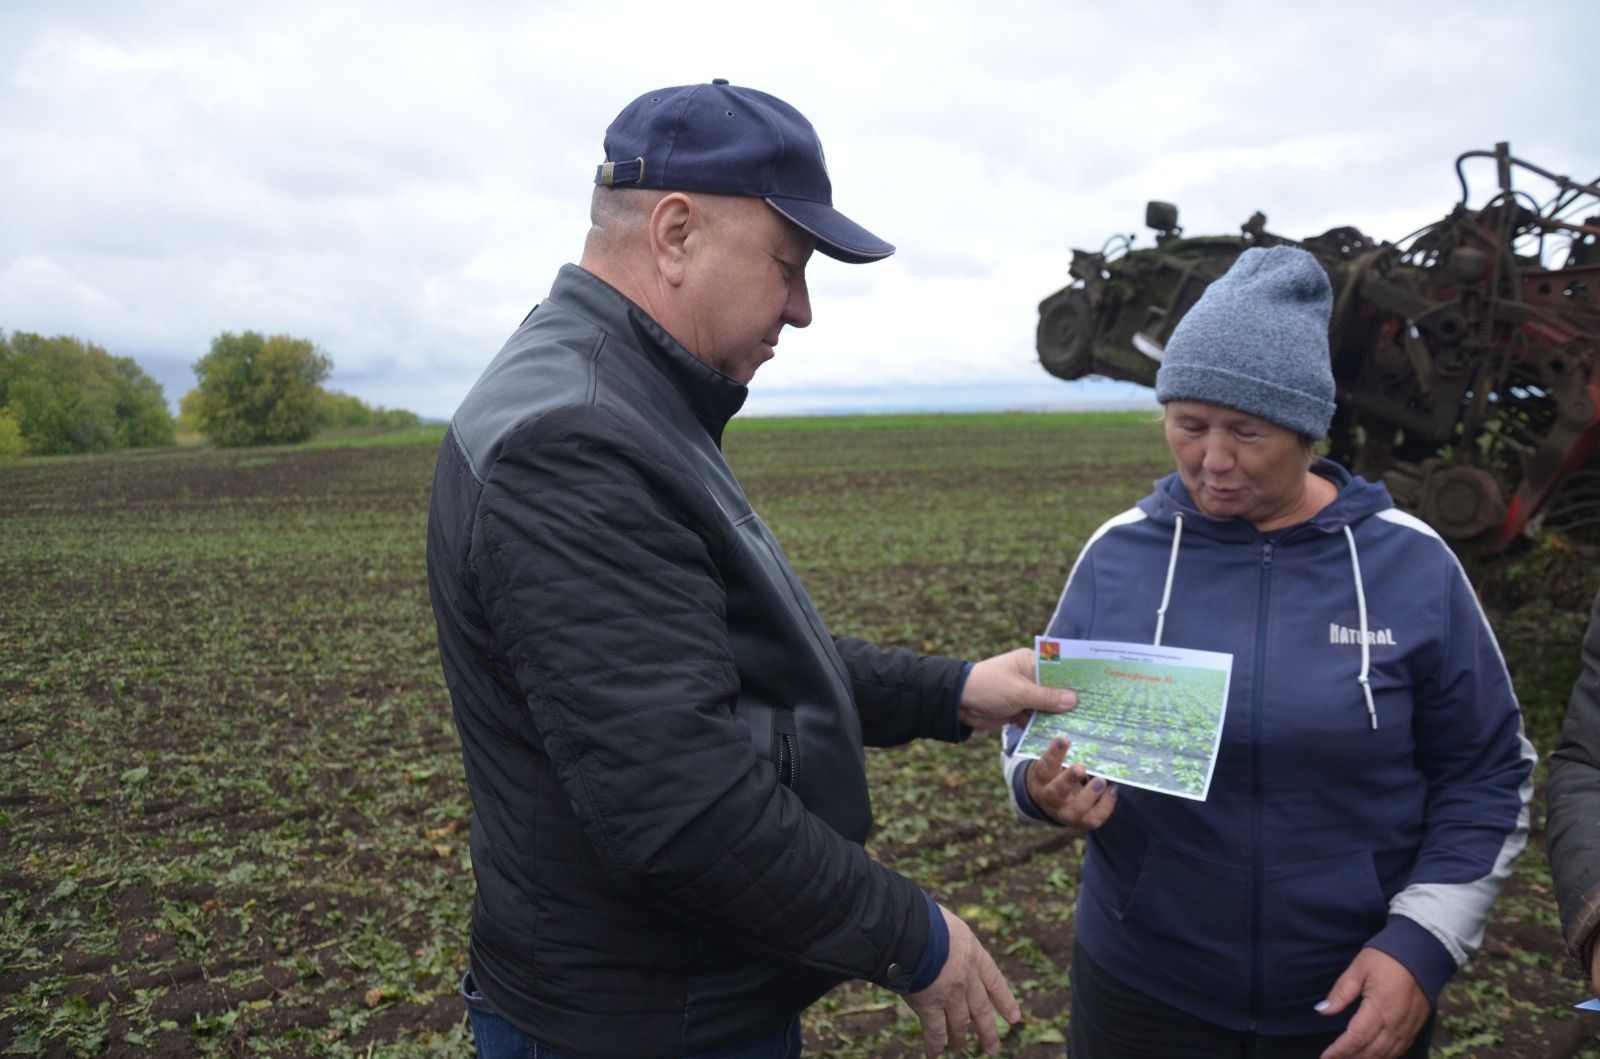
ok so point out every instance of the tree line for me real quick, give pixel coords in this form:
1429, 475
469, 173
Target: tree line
64, 395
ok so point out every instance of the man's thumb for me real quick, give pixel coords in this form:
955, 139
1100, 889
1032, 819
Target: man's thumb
1052, 700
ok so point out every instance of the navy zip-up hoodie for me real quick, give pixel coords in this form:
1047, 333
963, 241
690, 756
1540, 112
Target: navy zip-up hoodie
1372, 783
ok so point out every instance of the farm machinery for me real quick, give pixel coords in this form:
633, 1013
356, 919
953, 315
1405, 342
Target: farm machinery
1466, 356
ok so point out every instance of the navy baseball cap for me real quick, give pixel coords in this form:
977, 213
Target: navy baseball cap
726, 140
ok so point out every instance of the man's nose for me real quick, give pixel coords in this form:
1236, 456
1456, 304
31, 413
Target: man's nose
797, 310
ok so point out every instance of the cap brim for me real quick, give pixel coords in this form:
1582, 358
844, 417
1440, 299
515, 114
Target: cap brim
837, 235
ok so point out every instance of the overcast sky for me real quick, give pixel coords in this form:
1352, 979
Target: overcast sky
399, 182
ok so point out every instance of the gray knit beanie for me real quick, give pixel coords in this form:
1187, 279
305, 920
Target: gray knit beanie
1257, 342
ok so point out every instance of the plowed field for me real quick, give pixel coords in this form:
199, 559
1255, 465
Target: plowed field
232, 817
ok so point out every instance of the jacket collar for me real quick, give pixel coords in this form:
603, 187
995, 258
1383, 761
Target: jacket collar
712, 396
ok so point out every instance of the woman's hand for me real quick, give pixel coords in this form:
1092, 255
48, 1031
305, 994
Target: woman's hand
1068, 795
1393, 1008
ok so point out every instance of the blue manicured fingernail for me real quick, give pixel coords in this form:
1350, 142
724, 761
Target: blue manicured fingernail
1060, 744
1323, 1005
1098, 784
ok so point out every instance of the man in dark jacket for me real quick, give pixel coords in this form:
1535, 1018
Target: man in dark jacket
662, 741
1572, 830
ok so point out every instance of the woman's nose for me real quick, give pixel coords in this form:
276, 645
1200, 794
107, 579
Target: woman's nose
1218, 457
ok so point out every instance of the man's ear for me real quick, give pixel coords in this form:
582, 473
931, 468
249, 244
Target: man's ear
673, 223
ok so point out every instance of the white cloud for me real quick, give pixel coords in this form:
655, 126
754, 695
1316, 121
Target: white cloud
399, 182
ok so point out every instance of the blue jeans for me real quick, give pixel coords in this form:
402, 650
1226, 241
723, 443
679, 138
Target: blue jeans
498, 1039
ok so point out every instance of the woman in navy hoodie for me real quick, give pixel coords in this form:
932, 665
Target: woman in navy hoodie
1371, 790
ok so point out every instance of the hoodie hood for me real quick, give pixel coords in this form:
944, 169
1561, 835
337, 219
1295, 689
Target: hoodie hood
1357, 499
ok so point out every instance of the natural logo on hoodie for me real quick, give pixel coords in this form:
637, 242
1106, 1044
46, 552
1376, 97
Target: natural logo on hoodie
1344, 634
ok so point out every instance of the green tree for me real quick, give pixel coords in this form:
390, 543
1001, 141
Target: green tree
259, 391
189, 412
343, 410
66, 395
11, 444
143, 419
394, 417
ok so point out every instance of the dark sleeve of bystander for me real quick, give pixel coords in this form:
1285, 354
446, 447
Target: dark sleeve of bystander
1572, 831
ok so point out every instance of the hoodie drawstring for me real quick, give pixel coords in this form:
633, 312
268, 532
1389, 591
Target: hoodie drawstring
1172, 566
1366, 647
1361, 611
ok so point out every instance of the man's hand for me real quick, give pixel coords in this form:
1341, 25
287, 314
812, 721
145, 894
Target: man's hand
1001, 690
961, 997
1068, 795
1393, 1008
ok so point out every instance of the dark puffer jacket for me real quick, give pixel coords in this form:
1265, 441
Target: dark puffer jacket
1572, 831
662, 741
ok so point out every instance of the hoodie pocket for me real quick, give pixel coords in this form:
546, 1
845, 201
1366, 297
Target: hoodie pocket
1187, 918
1319, 913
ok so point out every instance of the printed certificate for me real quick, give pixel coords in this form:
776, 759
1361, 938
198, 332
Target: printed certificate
1147, 716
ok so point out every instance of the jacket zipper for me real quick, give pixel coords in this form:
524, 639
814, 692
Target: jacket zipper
1258, 867
783, 740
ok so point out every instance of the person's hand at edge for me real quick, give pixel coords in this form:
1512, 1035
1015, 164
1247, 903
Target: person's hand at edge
1594, 969
1001, 690
1393, 1008
1068, 795
964, 996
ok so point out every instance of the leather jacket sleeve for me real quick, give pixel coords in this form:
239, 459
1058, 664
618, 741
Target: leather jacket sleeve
902, 695
1572, 833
